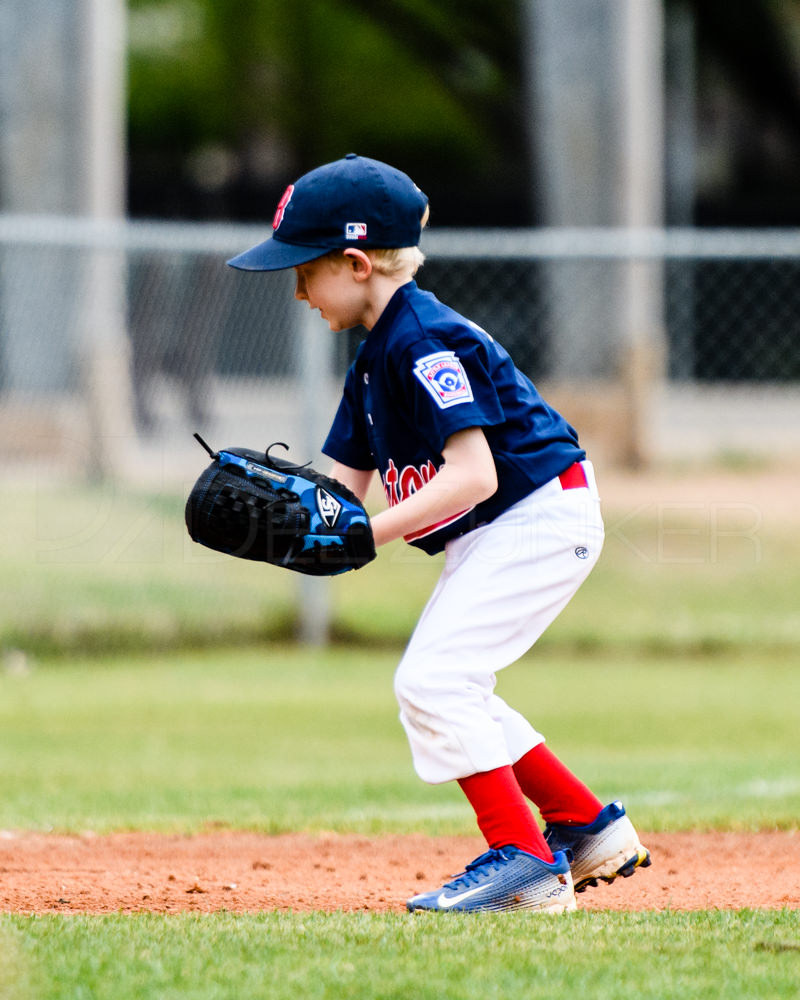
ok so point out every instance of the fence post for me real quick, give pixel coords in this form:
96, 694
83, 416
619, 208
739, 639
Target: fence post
315, 360
642, 319
596, 79
62, 152
104, 341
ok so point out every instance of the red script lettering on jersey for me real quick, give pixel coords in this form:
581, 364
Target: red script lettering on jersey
400, 485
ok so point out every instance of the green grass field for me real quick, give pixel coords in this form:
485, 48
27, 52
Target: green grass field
149, 686
285, 738
697, 956
107, 570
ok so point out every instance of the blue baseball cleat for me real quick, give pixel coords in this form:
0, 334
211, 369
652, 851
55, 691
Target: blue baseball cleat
603, 849
504, 879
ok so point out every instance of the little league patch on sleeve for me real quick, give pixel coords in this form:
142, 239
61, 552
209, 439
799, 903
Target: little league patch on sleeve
444, 377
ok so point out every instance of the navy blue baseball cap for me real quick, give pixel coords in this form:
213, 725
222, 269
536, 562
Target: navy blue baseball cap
352, 202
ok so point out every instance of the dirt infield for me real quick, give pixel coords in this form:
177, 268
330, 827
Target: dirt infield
248, 872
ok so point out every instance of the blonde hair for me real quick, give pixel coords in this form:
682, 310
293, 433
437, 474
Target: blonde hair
395, 260
392, 260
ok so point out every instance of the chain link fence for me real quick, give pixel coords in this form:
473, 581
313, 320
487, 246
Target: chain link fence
117, 340
724, 306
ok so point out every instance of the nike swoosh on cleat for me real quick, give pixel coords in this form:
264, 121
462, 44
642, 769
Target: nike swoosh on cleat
445, 902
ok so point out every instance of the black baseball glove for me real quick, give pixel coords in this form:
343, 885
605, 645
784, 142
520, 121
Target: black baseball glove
251, 505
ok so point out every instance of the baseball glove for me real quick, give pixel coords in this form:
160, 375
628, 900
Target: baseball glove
251, 505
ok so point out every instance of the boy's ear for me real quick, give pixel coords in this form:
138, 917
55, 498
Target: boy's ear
359, 262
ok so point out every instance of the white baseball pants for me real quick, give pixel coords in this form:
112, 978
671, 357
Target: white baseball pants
502, 585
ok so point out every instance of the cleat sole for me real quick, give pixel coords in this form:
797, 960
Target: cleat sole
640, 860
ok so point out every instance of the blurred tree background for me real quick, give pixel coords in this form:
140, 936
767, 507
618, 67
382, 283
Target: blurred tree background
231, 99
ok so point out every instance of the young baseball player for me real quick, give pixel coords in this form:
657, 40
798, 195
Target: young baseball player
474, 462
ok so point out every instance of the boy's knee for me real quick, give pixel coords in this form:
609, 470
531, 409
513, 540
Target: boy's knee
424, 688
408, 686
417, 688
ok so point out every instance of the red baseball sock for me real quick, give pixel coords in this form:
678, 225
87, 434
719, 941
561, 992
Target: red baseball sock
560, 796
504, 817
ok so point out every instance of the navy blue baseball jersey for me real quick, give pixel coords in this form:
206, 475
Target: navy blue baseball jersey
425, 372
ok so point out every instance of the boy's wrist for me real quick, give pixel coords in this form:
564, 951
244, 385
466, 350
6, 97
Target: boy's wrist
383, 530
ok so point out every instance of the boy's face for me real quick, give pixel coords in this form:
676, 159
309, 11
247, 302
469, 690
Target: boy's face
328, 285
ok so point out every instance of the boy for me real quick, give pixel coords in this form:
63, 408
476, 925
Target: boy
472, 461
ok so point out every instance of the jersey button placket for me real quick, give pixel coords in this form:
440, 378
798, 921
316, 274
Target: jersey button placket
368, 413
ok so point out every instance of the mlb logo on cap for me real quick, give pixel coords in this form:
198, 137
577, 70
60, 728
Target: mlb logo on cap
355, 230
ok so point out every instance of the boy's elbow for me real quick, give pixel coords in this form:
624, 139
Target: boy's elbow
486, 484
471, 463
479, 482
